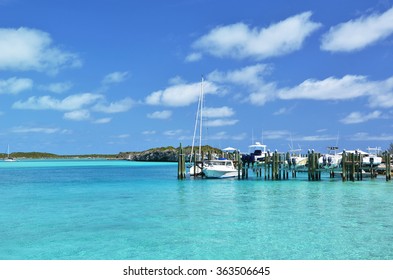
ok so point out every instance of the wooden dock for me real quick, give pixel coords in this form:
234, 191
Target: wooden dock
278, 166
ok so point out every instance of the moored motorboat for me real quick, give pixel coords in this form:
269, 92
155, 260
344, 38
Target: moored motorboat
331, 160
220, 168
297, 161
258, 152
371, 158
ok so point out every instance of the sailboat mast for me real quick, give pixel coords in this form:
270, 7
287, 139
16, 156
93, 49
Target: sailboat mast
200, 121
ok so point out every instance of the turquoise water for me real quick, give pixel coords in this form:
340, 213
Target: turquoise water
128, 210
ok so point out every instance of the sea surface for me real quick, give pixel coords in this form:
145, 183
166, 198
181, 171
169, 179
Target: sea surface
121, 210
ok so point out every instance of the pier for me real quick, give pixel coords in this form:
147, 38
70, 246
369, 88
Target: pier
281, 166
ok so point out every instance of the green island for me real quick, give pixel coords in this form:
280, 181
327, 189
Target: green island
163, 154
169, 154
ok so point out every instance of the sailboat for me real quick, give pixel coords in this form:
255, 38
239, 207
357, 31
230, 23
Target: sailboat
197, 170
218, 168
9, 158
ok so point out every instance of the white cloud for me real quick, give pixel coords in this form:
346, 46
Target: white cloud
15, 85
248, 76
78, 115
382, 94
122, 136
57, 87
315, 138
220, 122
173, 133
180, 94
162, 115
115, 107
361, 117
359, 33
149, 132
364, 136
70, 103
266, 92
192, 57
21, 129
223, 135
240, 41
283, 111
239, 137
115, 77
31, 49
102, 120
176, 80
379, 93
251, 78
218, 112
329, 89
276, 134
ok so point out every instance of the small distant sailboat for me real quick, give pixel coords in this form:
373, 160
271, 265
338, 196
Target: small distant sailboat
9, 158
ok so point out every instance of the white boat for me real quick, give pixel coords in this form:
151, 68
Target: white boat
371, 158
297, 160
220, 168
330, 160
9, 158
258, 151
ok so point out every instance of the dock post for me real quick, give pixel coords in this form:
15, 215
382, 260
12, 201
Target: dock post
388, 166
352, 165
309, 164
274, 168
344, 165
267, 170
240, 166
361, 166
317, 170
312, 166
357, 159
181, 165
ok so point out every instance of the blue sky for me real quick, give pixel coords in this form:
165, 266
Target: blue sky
106, 76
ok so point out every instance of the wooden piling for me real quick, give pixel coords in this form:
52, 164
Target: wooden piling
388, 169
313, 169
240, 166
344, 166
181, 165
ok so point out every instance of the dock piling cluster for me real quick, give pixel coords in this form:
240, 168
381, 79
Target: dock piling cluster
278, 166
